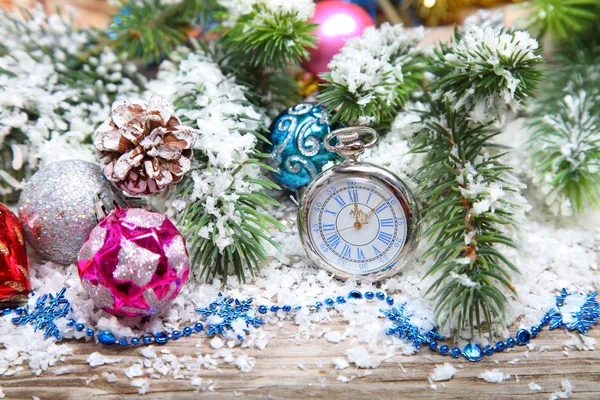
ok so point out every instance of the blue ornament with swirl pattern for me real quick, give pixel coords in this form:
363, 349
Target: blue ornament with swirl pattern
297, 151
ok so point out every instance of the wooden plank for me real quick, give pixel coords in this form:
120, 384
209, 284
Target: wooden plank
277, 373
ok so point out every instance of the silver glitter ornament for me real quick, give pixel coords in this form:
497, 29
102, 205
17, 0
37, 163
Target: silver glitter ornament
56, 208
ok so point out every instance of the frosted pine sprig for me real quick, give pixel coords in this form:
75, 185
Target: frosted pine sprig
373, 75
221, 205
487, 71
565, 153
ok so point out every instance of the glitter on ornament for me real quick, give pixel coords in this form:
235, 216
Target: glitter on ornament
14, 265
47, 310
229, 315
574, 311
134, 263
404, 329
338, 21
297, 150
56, 208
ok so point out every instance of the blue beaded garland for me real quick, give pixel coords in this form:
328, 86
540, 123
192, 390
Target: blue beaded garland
318, 304
89, 332
123, 342
455, 352
472, 352
187, 331
274, 308
71, 322
489, 350
161, 337
147, 340
135, 341
523, 337
329, 302
297, 151
500, 346
340, 299
106, 338
6, 311
79, 327
510, 342
389, 300
355, 294
369, 295
433, 345
198, 327
262, 309
18, 310
444, 350
287, 308
175, 334
534, 331
380, 296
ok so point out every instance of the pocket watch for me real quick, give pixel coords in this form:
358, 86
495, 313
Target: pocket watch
357, 220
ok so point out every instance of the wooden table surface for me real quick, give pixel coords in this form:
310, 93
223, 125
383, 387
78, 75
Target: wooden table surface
286, 370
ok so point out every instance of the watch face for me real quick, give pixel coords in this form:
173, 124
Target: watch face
356, 225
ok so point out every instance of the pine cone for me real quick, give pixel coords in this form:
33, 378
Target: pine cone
143, 148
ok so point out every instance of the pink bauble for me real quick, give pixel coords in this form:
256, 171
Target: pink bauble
134, 263
338, 21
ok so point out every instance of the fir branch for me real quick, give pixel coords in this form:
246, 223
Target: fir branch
565, 147
270, 37
374, 75
561, 19
470, 196
221, 206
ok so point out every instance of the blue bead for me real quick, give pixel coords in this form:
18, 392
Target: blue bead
380, 296
289, 134
340, 299
262, 309
355, 294
287, 308
369, 295
18, 310
510, 342
455, 352
433, 345
534, 331
161, 337
318, 304
198, 327
274, 308
71, 322
89, 332
106, 338
489, 350
472, 352
79, 327
523, 337
500, 346
135, 341
389, 300
6, 311
329, 302
123, 342
175, 334
187, 331
444, 350
147, 339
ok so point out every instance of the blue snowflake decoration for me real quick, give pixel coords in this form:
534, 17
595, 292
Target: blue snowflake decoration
47, 310
221, 315
404, 329
584, 312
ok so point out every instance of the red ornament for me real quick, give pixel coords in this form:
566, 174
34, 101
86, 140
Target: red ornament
338, 21
14, 266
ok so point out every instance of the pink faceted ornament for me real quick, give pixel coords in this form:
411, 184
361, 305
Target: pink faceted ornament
338, 21
134, 263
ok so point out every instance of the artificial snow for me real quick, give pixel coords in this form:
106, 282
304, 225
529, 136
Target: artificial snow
534, 386
443, 372
245, 363
96, 359
494, 376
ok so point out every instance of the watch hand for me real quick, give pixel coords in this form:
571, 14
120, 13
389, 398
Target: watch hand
357, 224
350, 227
372, 212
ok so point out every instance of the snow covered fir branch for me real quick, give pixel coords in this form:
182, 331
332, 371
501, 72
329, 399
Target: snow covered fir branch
471, 198
57, 83
221, 206
374, 75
